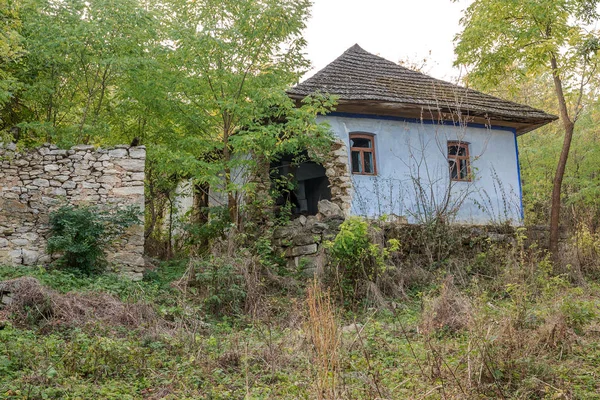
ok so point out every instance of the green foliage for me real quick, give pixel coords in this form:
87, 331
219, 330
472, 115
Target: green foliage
81, 234
268, 359
525, 331
581, 187
243, 58
196, 234
579, 312
166, 273
506, 38
74, 78
508, 48
156, 289
202, 90
357, 257
220, 284
352, 242
10, 52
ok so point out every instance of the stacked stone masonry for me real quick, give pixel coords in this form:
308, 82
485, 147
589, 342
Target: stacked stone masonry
36, 182
336, 162
301, 242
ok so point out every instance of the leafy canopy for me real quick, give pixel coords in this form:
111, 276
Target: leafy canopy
515, 38
77, 57
10, 48
201, 84
232, 61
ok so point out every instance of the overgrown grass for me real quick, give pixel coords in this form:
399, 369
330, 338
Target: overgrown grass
155, 287
386, 357
524, 333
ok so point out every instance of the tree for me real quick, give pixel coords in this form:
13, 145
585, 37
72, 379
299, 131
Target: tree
202, 84
508, 38
10, 51
233, 60
77, 56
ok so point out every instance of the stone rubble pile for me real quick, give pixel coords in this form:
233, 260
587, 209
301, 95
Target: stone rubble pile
336, 164
302, 240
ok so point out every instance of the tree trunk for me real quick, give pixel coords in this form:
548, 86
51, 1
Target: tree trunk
201, 203
562, 161
200, 214
231, 198
233, 208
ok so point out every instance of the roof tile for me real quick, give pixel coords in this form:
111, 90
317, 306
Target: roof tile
359, 75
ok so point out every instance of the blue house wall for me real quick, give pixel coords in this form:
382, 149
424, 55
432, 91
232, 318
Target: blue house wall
412, 170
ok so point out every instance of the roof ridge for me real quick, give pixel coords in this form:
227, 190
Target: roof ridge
356, 46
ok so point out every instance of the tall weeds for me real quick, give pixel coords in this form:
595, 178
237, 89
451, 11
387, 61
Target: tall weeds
325, 338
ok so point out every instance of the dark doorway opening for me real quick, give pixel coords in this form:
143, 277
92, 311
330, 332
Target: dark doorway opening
301, 183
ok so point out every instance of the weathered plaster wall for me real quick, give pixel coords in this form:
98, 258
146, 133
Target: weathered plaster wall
33, 183
410, 152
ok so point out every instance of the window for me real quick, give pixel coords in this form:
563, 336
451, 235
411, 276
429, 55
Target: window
458, 161
362, 148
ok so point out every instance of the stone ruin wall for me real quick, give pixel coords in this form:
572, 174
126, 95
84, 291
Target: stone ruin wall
35, 182
302, 241
336, 163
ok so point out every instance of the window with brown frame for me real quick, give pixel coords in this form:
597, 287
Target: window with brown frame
458, 161
362, 149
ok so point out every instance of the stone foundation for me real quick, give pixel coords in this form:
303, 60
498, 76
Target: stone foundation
34, 183
301, 242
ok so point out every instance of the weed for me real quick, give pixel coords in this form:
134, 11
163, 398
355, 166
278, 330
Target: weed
81, 234
360, 257
325, 339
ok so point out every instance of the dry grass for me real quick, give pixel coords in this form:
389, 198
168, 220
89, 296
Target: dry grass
450, 311
325, 338
35, 305
501, 350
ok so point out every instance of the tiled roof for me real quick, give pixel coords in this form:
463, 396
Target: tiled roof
358, 75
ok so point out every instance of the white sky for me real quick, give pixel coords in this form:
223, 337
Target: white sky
394, 29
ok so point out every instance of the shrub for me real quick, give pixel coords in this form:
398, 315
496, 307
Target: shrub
220, 284
360, 255
81, 233
578, 313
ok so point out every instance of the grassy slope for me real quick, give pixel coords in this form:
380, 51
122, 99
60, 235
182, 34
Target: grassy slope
512, 346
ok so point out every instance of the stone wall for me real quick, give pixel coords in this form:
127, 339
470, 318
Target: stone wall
35, 182
336, 164
301, 242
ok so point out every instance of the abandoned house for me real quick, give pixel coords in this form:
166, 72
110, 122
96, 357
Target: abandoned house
407, 146
412, 146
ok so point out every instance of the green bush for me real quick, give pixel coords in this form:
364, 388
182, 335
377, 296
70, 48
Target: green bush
81, 234
578, 313
221, 286
360, 255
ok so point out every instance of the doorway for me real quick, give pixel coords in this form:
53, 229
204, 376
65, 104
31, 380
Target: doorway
301, 182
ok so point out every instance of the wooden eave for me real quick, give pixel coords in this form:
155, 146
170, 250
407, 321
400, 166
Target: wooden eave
426, 113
